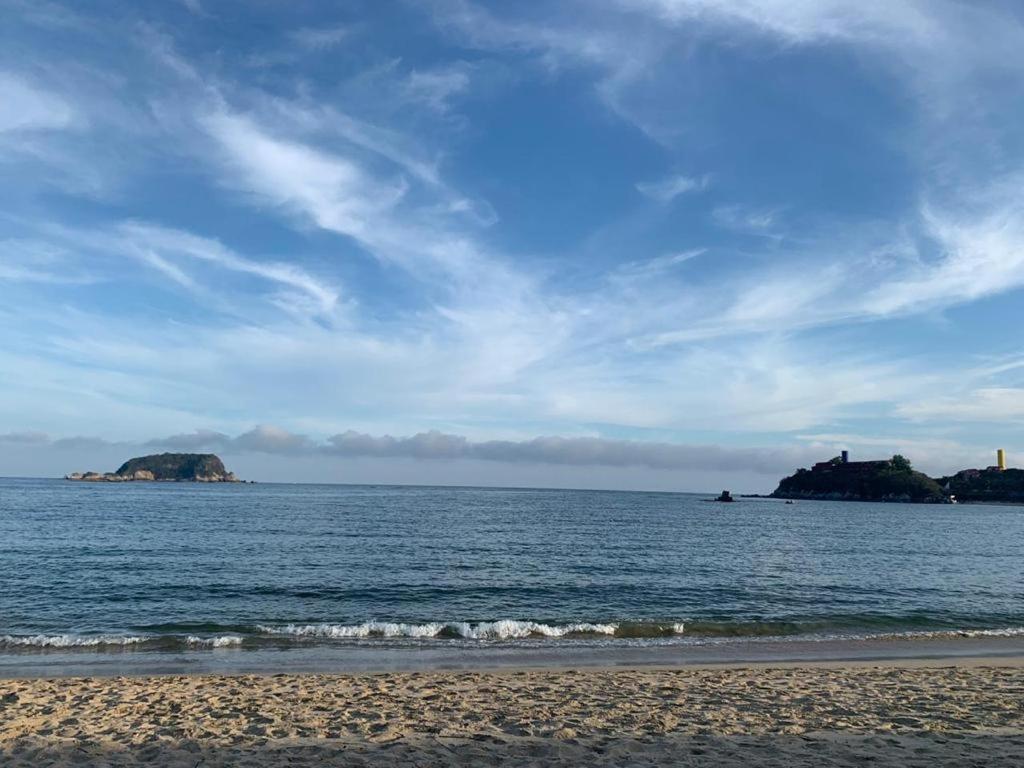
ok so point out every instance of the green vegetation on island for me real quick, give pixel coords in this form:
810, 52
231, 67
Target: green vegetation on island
991, 484
181, 467
841, 480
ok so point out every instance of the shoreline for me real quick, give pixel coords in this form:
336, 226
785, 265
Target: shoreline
1014, 661
369, 658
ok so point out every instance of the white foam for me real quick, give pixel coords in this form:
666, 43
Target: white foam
224, 641
366, 629
924, 634
510, 629
69, 641
1006, 632
506, 629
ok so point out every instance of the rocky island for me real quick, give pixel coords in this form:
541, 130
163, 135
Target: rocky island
992, 484
843, 480
894, 479
179, 467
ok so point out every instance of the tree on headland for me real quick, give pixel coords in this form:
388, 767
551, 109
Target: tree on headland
901, 463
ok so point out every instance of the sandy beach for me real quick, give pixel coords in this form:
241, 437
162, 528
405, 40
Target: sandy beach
922, 713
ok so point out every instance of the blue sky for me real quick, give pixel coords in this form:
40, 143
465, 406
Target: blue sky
672, 244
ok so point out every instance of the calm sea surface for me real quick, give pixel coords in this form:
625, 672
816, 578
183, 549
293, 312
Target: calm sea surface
205, 568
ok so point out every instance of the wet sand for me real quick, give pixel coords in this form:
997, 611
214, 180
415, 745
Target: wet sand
893, 713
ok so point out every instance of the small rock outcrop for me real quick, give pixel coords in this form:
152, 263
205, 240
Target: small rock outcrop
179, 467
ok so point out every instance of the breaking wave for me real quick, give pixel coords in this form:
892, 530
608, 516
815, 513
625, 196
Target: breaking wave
68, 641
113, 642
1006, 632
225, 641
506, 629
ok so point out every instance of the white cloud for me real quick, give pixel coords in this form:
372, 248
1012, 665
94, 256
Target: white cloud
437, 87
57, 254
493, 314
172, 271
803, 21
440, 446
191, 442
938, 42
667, 190
319, 38
28, 108
28, 260
980, 254
970, 248
744, 219
270, 439
944, 52
149, 241
983, 404
331, 190
655, 268
194, 6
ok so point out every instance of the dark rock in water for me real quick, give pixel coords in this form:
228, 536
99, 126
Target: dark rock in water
194, 467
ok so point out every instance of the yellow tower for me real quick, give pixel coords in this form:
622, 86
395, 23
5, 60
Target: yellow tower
1001, 459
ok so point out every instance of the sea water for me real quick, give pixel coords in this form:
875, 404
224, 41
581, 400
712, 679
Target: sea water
193, 569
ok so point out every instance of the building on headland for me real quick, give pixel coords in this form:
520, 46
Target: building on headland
998, 483
840, 479
1000, 465
845, 465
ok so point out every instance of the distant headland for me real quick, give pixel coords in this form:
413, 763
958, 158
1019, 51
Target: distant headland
175, 467
840, 479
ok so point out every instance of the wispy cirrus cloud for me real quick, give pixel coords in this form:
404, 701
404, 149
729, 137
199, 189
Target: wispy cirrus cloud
436, 87
979, 405
806, 21
318, 38
59, 254
151, 241
980, 253
30, 108
334, 192
744, 219
667, 190
949, 256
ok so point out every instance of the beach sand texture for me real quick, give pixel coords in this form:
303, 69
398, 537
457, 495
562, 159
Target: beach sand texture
883, 715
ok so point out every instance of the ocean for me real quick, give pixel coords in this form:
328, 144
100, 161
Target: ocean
193, 572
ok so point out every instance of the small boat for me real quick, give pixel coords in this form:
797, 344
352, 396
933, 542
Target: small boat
726, 496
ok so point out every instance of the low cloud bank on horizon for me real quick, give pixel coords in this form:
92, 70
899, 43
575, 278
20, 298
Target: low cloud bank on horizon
435, 446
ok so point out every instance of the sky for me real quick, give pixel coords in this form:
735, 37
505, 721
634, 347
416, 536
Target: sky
651, 244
